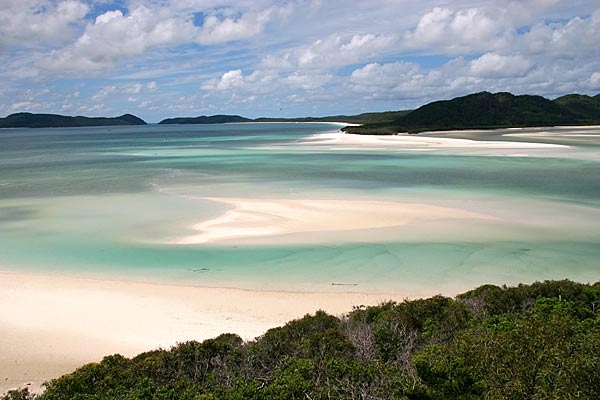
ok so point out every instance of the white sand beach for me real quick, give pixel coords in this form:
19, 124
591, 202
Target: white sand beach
424, 141
262, 218
51, 325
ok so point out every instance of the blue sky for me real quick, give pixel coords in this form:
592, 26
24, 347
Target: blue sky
159, 59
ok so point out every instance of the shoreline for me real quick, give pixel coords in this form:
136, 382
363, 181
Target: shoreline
51, 325
427, 141
490, 141
510, 142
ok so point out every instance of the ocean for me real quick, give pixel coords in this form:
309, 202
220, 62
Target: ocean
116, 202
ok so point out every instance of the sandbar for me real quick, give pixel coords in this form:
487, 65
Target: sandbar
424, 141
50, 325
309, 220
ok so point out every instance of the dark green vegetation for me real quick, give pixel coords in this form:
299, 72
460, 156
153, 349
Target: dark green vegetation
383, 117
213, 119
539, 341
380, 117
476, 111
29, 120
490, 111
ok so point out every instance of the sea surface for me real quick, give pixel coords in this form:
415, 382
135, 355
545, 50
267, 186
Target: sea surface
110, 202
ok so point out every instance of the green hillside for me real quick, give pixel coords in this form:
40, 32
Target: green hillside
488, 111
584, 107
475, 111
29, 120
538, 341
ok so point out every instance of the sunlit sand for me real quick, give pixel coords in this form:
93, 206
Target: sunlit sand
256, 218
423, 141
188, 213
51, 325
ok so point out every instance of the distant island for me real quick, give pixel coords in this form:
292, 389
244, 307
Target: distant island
482, 110
213, 119
489, 111
225, 119
29, 120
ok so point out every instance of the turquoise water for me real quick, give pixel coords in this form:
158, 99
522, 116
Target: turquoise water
108, 202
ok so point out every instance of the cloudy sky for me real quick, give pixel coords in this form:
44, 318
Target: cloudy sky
161, 58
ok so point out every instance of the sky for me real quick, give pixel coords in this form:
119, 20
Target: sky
158, 58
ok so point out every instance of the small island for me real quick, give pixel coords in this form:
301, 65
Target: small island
213, 119
486, 110
482, 110
30, 120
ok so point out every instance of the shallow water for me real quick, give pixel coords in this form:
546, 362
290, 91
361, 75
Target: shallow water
107, 202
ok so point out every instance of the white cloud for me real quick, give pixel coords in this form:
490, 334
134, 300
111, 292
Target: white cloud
27, 23
136, 88
95, 109
128, 89
463, 31
331, 52
595, 80
402, 81
306, 82
257, 82
114, 36
147, 104
218, 28
559, 77
24, 105
231, 80
578, 37
398, 80
273, 62
108, 16
492, 65
359, 42
104, 92
384, 76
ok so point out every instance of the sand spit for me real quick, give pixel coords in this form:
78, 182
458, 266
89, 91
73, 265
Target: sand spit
422, 141
256, 218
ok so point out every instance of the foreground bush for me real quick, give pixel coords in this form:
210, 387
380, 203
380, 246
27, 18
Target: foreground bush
536, 341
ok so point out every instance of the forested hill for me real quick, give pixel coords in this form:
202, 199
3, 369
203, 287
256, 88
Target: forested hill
488, 111
372, 117
475, 111
538, 341
381, 117
29, 120
212, 119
